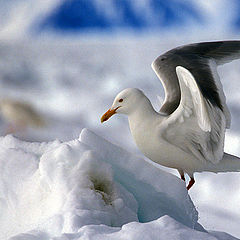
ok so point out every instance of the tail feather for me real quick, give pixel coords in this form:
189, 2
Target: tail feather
229, 163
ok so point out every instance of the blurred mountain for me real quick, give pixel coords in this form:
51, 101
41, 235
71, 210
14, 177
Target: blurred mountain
91, 15
236, 21
20, 18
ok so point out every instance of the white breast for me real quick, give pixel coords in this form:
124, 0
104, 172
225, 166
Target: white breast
148, 139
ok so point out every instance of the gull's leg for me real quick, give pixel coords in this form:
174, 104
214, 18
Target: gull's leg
181, 174
191, 182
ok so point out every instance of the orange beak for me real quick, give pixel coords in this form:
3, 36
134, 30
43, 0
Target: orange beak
108, 114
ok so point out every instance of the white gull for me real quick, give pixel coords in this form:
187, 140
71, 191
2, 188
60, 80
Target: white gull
188, 132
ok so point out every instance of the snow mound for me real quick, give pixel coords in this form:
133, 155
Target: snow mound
162, 228
58, 187
89, 188
157, 192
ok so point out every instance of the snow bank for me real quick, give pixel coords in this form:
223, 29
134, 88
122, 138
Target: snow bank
58, 187
89, 189
162, 228
157, 192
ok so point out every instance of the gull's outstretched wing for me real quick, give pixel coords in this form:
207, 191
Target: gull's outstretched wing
196, 126
201, 60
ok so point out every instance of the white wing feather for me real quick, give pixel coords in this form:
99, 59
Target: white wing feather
195, 126
192, 96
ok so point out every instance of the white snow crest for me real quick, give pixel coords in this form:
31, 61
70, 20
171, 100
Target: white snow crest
89, 189
152, 187
65, 188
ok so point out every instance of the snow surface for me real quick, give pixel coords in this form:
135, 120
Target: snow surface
56, 77
89, 188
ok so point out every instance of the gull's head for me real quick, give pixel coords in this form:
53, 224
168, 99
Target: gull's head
125, 102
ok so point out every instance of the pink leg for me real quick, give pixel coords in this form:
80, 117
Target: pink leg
190, 184
182, 175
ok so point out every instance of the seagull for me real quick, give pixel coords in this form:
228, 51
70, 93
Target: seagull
19, 115
188, 132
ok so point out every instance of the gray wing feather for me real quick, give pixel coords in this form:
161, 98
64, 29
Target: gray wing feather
201, 60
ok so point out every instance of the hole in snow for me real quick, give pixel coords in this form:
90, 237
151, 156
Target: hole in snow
103, 187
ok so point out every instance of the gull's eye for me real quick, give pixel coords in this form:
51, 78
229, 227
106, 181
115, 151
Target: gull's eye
120, 100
